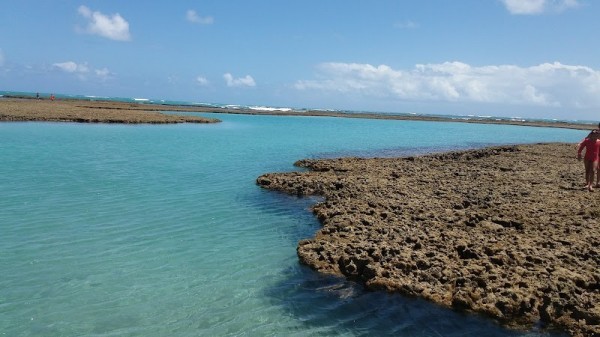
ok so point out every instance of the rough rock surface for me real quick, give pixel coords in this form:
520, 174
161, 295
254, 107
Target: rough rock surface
507, 231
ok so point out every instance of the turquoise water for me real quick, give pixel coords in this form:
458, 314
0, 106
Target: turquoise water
160, 230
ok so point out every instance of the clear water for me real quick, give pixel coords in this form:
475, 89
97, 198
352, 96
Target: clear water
150, 230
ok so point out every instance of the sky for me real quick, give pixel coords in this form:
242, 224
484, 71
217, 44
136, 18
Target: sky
513, 58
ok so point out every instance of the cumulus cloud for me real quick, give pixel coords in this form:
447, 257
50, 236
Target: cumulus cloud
113, 27
547, 85
72, 67
532, 7
103, 73
200, 80
193, 17
82, 70
247, 81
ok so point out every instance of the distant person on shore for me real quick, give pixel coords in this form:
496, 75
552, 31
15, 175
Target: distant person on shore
37, 95
52, 97
592, 151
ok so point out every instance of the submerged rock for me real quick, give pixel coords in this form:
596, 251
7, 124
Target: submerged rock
506, 231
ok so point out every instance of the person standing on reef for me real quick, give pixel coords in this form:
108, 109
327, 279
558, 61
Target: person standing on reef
590, 161
598, 170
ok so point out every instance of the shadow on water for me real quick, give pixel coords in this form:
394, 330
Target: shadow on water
333, 306
326, 305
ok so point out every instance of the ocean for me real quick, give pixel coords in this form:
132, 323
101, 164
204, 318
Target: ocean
166, 103
160, 230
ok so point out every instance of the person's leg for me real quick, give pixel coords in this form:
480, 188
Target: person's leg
588, 172
594, 172
598, 174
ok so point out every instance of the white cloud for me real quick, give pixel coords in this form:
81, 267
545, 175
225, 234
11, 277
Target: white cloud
82, 70
567, 4
72, 67
524, 6
531, 7
202, 81
103, 73
247, 81
547, 85
113, 27
193, 17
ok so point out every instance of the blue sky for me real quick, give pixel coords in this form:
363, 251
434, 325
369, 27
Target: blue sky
528, 58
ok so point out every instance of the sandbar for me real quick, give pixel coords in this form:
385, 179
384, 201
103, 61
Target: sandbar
81, 111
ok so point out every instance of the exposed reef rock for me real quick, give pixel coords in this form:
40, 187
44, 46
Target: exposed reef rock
507, 231
81, 111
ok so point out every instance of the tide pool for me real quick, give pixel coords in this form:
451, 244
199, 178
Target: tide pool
160, 230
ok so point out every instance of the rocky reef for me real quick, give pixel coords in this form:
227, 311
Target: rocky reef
16, 109
506, 231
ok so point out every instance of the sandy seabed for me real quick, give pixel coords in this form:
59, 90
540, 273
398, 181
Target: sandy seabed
508, 232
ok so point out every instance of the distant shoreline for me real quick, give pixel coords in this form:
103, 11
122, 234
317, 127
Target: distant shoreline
27, 108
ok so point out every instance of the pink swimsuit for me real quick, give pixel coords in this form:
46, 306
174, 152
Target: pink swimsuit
592, 149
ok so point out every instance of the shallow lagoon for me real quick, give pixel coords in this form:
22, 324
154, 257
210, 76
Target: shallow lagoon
160, 230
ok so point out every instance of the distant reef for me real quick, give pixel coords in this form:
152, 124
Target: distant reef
95, 110
507, 232
81, 111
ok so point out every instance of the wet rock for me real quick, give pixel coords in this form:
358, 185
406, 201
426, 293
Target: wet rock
496, 231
